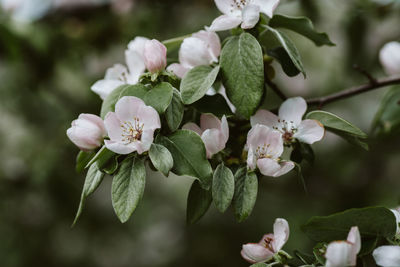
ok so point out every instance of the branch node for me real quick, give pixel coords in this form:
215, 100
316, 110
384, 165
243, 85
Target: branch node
368, 75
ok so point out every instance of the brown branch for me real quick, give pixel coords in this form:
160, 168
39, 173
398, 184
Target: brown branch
276, 89
321, 101
369, 76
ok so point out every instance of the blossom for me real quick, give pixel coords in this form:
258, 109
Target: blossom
344, 253
290, 123
244, 12
87, 132
131, 127
390, 58
155, 56
269, 245
119, 74
202, 48
213, 132
265, 146
387, 256
26, 11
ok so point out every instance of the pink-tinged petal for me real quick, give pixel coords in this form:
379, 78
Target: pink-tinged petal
281, 234
120, 148
263, 136
178, 69
225, 128
155, 55
213, 141
225, 6
354, 238
389, 57
264, 117
79, 137
292, 110
194, 52
267, 6
254, 253
113, 127
224, 22
286, 166
127, 108
250, 16
192, 127
104, 87
137, 44
115, 72
266, 240
96, 120
387, 256
135, 64
211, 39
338, 254
209, 121
251, 159
310, 131
149, 117
268, 167
145, 142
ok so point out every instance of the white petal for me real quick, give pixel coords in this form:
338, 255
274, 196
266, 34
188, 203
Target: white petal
211, 39
390, 58
113, 126
225, 128
264, 117
250, 16
194, 52
251, 159
94, 119
286, 166
338, 254
192, 127
222, 92
292, 110
120, 148
387, 256
104, 87
254, 253
224, 22
261, 135
268, 167
137, 44
178, 69
127, 108
310, 131
355, 238
149, 117
145, 141
281, 234
213, 141
209, 121
225, 6
115, 72
155, 55
135, 64
267, 6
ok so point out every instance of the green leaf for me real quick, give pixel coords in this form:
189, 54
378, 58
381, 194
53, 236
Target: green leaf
284, 59
196, 83
174, 112
301, 177
102, 157
92, 181
319, 252
301, 25
189, 155
244, 199
215, 104
223, 187
372, 222
159, 97
335, 123
198, 202
302, 151
138, 90
82, 159
127, 187
260, 264
387, 119
111, 166
352, 139
243, 73
272, 39
161, 158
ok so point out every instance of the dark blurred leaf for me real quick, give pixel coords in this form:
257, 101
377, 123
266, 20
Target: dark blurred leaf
112, 165
223, 187
128, 187
174, 112
246, 187
352, 139
82, 159
101, 158
161, 158
215, 104
319, 253
303, 257
159, 97
302, 151
284, 59
387, 119
301, 177
198, 202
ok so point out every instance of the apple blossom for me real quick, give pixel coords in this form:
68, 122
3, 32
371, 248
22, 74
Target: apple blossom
118, 74
244, 12
290, 123
269, 245
87, 132
344, 253
390, 58
213, 132
155, 56
202, 48
265, 146
387, 256
131, 127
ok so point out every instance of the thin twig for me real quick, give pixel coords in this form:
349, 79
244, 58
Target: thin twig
276, 89
321, 101
369, 76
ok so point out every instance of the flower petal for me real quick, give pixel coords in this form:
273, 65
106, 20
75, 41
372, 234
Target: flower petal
192, 127
137, 44
338, 254
194, 52
286, 166
264, 117
115, 72
135, 64
113, 126
104, 87
254, 253
389, 57
96, 120
281, 234
267, 6
149, 117
268, 167
127, 108
211, 39
224, 22
310, 131
251, 159
387, 256
155, 55
225, 128
209, 121
397, 215
225, 6
178, 69
120, 148
354, 238
261, 135
145, 142
213, 141
250, 16
292, 110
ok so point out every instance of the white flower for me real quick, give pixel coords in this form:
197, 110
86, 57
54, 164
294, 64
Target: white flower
390, 58
155, 56
387, 256
26, 11
344, 253
290, 123
269, 244
213, 132
131, 127
87, 132
265, 146
202, 48
244, 12
118, 74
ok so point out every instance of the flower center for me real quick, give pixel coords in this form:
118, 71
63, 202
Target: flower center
123, 77
132, 131
263, 152
287, 129
268, 243
239, 4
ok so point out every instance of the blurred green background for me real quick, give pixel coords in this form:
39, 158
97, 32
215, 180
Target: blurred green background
50, 55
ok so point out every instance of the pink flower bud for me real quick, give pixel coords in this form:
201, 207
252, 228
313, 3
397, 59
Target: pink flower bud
155, 56
87, 132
